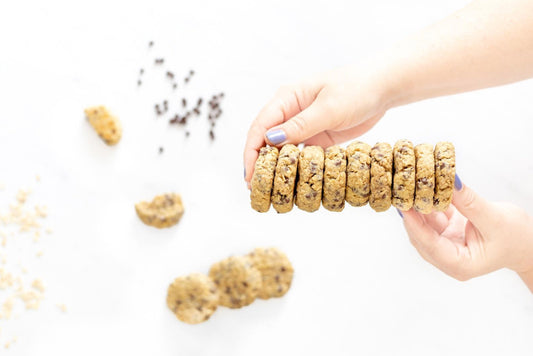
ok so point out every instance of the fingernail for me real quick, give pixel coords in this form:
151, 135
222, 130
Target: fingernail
399, 213
244, 172
276, 136
458, 184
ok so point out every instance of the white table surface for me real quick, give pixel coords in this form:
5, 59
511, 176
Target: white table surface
359, 286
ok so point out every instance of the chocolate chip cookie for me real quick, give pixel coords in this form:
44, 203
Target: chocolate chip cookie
163, 211
238, 282
403, 186
310, 175
358, 173
193, 299
276, 271
263, 178
380, 177
334, 186
425, 178
444, 175
285, 179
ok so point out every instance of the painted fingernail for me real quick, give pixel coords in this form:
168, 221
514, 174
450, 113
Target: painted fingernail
276, 136
399, 213
458, 184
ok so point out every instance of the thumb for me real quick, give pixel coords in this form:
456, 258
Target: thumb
470, 204
300, 127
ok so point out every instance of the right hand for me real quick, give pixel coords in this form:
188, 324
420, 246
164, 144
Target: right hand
474, 236
323, 110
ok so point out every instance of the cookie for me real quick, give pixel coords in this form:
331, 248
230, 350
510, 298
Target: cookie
425, 178
334, 185
193, 299
380, 177
285, 179
310, 174
444, 175
237, 281
276, 271
403, 181
263, 178
163, 211
358, 173
107, 126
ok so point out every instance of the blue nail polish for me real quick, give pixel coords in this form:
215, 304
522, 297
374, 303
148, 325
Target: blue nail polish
458, 184
276, 136
399, 213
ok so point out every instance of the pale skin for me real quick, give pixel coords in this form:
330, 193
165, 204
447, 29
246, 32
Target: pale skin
488, 43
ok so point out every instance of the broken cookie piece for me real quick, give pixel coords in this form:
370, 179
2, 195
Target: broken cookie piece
163, 211
107, 126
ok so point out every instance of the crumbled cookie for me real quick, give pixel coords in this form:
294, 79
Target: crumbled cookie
193, 299
237, 281
163, 211
285, 179
425, 178
444, 175
358, 173
334, 186
263, 178
403, 186
107, 126
310, 175
380, 177
276, 271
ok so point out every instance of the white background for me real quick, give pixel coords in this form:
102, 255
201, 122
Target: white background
359, 286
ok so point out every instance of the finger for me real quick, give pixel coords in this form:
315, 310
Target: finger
288, 101
471, 205
436, 249
438, 221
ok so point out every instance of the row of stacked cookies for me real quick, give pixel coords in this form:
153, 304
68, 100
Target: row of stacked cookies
234, 282
404, 176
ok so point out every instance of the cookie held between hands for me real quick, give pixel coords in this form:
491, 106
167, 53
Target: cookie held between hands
425, 178
444, 175
403, 186
310, 175
381, 177
285, 179
263, 178
358, 173
334, 186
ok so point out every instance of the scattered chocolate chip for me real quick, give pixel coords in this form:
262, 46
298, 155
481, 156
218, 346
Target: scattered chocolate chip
141, 72
159, 60
161, 150
151, 44
211, 135
139, 83
170, 75
187, 133
174, 86
184, 102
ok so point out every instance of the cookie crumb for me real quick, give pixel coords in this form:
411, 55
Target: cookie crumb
38, 284
62, 307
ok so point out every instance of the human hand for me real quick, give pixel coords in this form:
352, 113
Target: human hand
324, 110
474, 237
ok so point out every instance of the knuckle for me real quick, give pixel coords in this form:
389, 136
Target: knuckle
469, 200
298, 126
